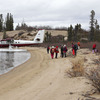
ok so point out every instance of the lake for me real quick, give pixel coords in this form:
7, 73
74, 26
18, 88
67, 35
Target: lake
9, 60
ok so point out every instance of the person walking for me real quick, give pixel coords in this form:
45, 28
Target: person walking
65, 50
75, 49
56, 51
61, 49
52, 52
94, 48
48, 48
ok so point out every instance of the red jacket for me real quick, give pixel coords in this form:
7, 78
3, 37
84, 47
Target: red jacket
56, 49
94, 46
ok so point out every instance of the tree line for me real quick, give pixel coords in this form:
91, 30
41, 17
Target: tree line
77, 33
24, 26
7, 24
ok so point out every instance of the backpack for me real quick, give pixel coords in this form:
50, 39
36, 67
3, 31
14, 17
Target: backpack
65, 49
52, 50
56, 50
75, 47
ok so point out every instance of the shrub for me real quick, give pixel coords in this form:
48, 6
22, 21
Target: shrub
77, 69
94, 76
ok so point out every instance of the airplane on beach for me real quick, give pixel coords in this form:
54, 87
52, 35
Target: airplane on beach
18, 43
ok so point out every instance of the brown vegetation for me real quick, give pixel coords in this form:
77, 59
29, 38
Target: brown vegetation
77, 68
94, 76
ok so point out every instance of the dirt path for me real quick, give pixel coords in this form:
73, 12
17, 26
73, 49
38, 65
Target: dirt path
41, 78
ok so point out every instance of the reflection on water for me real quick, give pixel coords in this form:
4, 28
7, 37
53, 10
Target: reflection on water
9, 60
6, 60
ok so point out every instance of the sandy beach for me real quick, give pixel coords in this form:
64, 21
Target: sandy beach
43, 78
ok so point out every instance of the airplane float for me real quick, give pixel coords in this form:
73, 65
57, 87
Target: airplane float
18, 43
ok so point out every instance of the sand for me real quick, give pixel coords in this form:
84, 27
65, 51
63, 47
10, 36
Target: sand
43, 78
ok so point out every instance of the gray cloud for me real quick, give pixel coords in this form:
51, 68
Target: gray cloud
53, 12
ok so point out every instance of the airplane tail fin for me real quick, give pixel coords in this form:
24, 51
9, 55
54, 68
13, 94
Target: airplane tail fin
39, 38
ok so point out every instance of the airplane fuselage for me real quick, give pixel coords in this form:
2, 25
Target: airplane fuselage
17, 43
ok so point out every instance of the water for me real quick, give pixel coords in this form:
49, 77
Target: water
9, 60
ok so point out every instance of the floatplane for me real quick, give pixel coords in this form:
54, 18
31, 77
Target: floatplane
39, 38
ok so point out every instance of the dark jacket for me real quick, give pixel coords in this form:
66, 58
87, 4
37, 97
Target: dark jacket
75, 47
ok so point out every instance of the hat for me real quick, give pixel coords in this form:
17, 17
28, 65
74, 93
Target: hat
64, 45
52, 47
56, 46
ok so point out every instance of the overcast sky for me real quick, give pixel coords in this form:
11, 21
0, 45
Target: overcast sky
51, 12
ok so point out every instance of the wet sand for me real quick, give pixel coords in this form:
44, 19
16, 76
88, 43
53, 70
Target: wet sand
43, 78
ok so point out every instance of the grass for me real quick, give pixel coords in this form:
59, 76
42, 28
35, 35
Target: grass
77, 68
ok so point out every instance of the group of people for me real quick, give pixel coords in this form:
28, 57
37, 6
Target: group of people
53, 50
63, 50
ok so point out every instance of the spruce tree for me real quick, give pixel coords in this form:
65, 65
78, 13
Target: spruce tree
76, 32
96, 25
9, 22
92, 21
97, 32
1, 22
70, 33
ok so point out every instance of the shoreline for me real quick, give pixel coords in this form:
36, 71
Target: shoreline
14, 61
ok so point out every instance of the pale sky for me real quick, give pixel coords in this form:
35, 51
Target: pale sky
51, 12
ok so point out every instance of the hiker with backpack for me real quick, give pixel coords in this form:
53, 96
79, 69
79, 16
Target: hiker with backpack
64, 50
61, 49
52, 50
75, 49
56, 51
